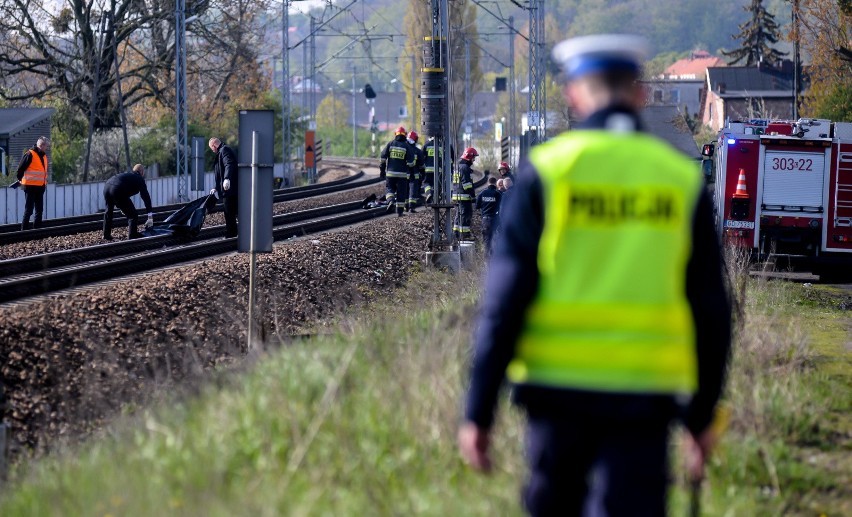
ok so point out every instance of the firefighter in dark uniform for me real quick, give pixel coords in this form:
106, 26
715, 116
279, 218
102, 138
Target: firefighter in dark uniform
488, 203
117, 193
463, 194
605, 302
397, 159
505, 171
32, 175
414, 174
227, 184
429, 169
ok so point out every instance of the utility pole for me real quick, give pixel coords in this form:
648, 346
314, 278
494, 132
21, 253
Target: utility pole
537, 105
120, 96
513, 127
98, 52
285, 87
181, 155
436, 123
796, 60
413, 90
354, 125
467, 99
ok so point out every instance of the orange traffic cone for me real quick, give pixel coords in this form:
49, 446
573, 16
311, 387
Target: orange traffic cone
741, 191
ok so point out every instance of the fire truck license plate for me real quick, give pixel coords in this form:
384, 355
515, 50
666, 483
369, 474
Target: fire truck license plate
748, 225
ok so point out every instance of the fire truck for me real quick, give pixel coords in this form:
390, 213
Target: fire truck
784, 189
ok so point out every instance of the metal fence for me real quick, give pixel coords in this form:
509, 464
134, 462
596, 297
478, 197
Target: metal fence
67, 200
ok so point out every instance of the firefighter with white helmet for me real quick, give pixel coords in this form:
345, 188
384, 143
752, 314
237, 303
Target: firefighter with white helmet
605, 302
463, 194
397, 159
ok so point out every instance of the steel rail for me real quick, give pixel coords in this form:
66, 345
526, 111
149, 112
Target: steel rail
94, 222
18, 287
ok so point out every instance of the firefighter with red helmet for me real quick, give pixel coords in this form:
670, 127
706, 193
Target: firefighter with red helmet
397, 159
414, 174
463, 194
505, 171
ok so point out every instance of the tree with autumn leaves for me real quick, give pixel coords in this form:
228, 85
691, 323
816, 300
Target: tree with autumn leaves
825, 32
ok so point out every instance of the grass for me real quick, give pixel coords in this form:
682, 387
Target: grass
362, 421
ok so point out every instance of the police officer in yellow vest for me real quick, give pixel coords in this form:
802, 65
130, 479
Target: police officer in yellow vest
610, 316
32, 173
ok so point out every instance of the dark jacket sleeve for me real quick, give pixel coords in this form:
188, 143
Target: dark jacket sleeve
711, 309
26, 159
229, 163
511, 284
146, 197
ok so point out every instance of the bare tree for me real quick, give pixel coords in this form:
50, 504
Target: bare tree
56, 50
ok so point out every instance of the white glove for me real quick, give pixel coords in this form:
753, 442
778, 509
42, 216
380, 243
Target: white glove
226, 184
214, 193
150, 222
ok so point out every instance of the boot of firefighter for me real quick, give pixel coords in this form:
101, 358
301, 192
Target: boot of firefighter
391, 205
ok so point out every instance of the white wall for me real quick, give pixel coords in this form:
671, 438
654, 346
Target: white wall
88, 198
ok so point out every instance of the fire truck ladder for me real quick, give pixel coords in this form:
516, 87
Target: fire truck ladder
843, 191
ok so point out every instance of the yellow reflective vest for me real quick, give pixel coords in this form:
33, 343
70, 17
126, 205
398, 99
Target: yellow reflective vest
611, 312
36, 173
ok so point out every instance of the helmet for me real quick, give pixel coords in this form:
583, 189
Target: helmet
469, 154
400, 131
504, 165
413, 136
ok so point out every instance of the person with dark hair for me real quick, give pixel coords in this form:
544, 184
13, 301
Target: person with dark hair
605, 302
488, 203
227, 183
32, 175
117, 193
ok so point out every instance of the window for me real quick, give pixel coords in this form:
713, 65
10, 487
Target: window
674, 96
658, 95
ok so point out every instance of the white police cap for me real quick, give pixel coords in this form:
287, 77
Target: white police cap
601, 52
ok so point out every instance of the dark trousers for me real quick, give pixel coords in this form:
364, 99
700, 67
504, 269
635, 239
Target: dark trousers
428, 182
33, 201
596, 466
489, 226
126, 206
396, 190
231, 210
464, 216
413, 192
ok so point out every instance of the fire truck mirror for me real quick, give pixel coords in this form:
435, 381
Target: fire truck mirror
708, 167
708, 150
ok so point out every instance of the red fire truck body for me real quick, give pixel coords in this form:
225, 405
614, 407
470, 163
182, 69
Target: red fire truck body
785, 188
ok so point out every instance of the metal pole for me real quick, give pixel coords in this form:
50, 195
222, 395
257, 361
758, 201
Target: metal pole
95, 88
182, 160
252, 244
796, 60
285, 87
354, 125
512, 125
118, 84
413, 90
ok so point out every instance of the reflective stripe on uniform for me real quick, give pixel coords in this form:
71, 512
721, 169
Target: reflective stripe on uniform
36, 173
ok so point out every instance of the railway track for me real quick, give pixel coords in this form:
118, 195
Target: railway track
11, 233
50, 272
42, 274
